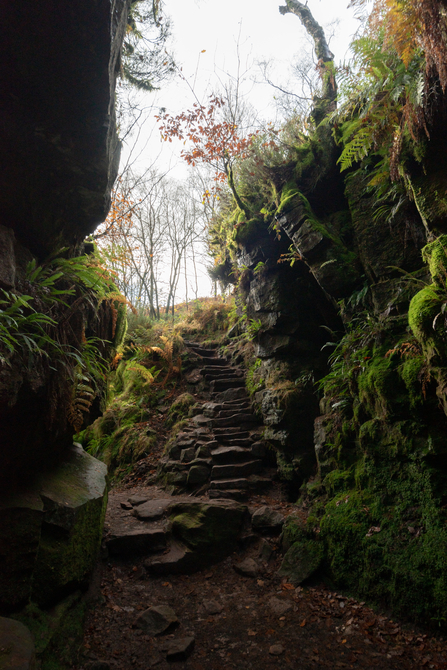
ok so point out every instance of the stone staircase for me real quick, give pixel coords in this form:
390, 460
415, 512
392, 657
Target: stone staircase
221, 451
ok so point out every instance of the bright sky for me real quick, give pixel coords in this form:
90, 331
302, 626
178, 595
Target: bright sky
215, 26
206, 35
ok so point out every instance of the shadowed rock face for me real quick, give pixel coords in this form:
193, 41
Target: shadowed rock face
57, 120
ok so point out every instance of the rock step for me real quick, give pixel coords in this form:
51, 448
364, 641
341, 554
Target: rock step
209, 377
224, 384
224, 413
139, 542
225, 484
231, 394
236, 470
231, 494
233, 421
237, 442
213, 369
234, 432
227, 455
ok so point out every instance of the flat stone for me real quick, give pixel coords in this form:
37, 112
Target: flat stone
126, 506
232, 394
247, 568
180, 649
152, 510
137, 542
280, 606
178, 560
228, 494
137, 500
227, 455
235, 420
223, 484
235, 470
16, 646
266, 519
156, 620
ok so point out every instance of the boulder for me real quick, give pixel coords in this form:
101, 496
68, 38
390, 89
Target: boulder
210, 528
137, 542
16, 646
50, 536
157, 620
301, 561
267, 520
152, 510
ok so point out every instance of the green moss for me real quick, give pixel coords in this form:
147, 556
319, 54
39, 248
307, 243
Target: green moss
66, 558
377, 386
290, 196
410, 371
424, 307
247, 231
388, 542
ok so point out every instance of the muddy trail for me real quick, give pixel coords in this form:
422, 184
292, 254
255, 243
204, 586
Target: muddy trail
193, 574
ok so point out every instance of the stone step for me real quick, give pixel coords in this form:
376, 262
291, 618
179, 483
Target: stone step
212, 361
129, 543
225, 484
213, 369
201, 420
220, 433
224, 413
238, 441
223, 376
231, 494
236, 470
224, 384
234, 421
258, 482
231, 394
225, 455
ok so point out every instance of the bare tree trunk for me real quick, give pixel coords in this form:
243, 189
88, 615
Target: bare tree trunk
324, 54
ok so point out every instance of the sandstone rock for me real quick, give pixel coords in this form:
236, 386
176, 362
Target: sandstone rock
247, 568
180, 649
16, 646
50, 537
301, 561
126, 506
212, 607
266, 519
137, 500
178, 560
209, 528
198, 474
276, 649
152, 510
187, 455
137, 542
280, 606
156, 620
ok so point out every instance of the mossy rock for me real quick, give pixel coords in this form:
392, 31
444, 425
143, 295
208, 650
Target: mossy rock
424, 308
435, 254
301, 561
212, 528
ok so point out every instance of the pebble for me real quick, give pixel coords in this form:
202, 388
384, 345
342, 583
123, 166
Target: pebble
276, 649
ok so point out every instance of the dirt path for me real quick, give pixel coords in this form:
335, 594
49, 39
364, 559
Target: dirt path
230, 620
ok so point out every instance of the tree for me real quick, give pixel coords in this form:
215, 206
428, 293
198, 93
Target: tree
217, 142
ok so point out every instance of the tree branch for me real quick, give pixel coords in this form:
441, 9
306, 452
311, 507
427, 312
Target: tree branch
313, 28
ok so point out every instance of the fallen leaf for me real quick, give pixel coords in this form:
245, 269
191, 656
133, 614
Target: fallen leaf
251, 632
303, 623
288, 587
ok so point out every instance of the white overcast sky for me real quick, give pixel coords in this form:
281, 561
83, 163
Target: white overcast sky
213, 26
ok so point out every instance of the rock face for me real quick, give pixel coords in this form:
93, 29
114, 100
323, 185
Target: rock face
50, 536
58, 131
58, 120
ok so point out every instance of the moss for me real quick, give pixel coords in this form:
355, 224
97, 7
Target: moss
423, 309
410, 372
388, 542
248, 231
290, 196
377, 386
57, 632
180, 408
66, 558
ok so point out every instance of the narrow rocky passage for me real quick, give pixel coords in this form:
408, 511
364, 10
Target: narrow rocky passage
193, 573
